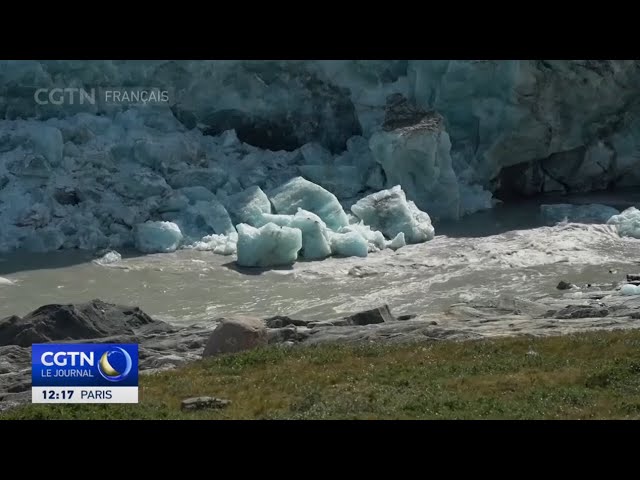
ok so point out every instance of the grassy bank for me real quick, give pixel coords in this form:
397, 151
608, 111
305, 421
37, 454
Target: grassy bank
590, 375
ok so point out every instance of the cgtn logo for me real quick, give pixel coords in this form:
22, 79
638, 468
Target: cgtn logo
84, 373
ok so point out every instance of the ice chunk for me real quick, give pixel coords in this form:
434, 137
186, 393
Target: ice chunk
374, 238
592, 213
155, 237
630, 289
108, 258
220, 244
248, 206
204, 218
418, 158
350, 244
397, 242
280, 220
268, 246
628, 222
301, 193
389, 212
315, 244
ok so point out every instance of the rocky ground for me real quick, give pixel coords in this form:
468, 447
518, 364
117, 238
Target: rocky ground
164, 346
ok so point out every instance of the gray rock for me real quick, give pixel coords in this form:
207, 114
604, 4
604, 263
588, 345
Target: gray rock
581, 311
375, 315
280, 321
202, 403
406, 317
564, 285
236, 334
281, 335
95, 319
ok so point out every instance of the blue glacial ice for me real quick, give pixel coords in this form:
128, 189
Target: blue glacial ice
350, 244
565, 212
301, 193
268, 246
244, 133
248, 206
627, 222
389, 212
157, 237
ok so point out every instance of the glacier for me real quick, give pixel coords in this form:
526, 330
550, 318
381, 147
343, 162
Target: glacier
241, 140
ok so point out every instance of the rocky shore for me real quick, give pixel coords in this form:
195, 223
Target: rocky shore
165, 346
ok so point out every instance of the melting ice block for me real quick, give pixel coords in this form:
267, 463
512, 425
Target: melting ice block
220, 244
301, 193
350, 244
315, 234
268, 246
248, 206
157, 237
628, 222
315, 243
205, 218
375, 239
389, 212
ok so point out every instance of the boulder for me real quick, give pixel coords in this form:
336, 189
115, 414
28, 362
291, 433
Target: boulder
376, 315
91, 320
235, 335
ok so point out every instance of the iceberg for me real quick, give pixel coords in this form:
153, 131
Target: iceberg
350, 244
157, 237
268, 246
248, 206
315, 244
627, 222
397, 242
389, 212
630, 289
301, 193
375, 239
204, 218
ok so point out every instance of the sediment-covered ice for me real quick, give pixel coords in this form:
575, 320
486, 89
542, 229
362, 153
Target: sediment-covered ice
268, 246
157, 237
561, 212
627, 222
389, 212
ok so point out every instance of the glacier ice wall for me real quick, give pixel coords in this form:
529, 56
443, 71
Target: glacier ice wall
83, 176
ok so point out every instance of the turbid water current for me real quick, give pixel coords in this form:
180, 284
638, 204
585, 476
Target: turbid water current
504, 251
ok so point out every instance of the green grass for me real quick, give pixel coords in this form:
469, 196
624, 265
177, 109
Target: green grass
584, 376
